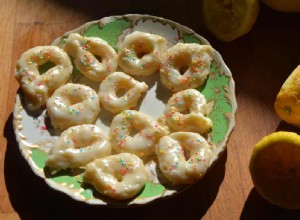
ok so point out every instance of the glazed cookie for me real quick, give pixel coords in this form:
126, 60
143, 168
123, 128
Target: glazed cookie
183, 157
38, 86
141, 53
78, 146
186, 66
109, 88
135, 132
119, 176
186, 110
93, 57
73, 104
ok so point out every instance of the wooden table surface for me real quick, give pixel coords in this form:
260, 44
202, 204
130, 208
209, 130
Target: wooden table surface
259, 61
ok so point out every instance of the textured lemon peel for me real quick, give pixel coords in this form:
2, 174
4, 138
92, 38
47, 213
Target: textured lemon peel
230, 19
283, 5
287, 104
283, 190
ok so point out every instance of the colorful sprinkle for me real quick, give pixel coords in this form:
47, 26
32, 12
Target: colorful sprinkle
126, 167
130, 55
111, 188
87, 61
128, 115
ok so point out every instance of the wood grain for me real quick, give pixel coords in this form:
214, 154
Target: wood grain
260, 62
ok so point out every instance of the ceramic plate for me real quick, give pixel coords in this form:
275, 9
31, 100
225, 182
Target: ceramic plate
36, 136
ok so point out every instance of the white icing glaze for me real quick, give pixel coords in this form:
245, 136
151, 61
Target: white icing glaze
119, 176
85, 49
38, 88
148, 133
183, 157
141, 53
186, 66
117, 81
78, 146
193, 103
73, 104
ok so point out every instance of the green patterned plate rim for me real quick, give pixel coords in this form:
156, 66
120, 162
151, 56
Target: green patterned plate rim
35, 136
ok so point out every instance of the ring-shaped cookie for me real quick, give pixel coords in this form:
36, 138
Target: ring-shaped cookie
183, 157
186, 110
135, 132
186, 66
38, 86
73, 104
141, 53
108, 92
77, 146
93, 57
119, 176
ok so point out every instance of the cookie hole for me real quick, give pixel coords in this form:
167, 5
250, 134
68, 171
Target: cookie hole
185, 112
140, 55
121, 92
187, 154
45, 67
183, 109
118, 176
74, 100
99, 58
82, 145
142, 48
133, 132
183, 69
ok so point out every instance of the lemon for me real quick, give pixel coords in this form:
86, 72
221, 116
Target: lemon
275, 169
283, 5
229, 19
287, 104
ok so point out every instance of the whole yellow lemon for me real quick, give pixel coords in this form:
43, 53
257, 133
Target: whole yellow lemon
283, 5
274, 168
287, 104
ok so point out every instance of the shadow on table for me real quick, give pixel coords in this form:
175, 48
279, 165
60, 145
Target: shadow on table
96, 9
33, 199
256, 207
283, 126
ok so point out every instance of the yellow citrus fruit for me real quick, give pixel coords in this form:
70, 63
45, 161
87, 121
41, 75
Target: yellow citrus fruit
229, 19
283, 5
275, 169
287, 104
